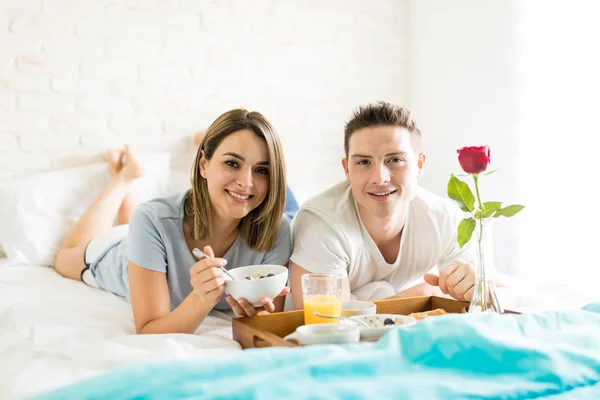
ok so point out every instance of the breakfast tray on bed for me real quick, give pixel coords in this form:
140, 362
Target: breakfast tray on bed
269, 330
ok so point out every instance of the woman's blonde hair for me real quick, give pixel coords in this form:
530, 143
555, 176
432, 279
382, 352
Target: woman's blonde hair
259, 228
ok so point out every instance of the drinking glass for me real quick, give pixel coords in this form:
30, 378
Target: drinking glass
322, 293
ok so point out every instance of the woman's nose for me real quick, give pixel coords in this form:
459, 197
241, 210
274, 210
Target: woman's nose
244, 178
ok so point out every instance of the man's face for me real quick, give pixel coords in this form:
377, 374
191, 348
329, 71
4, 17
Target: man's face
383, 170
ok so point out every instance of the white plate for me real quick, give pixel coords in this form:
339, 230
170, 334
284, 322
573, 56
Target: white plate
377, 321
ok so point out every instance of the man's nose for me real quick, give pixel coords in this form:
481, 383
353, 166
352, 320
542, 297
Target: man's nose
381, 174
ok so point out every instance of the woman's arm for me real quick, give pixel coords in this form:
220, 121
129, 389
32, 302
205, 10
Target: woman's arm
151, 304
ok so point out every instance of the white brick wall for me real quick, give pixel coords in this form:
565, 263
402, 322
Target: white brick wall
78, 76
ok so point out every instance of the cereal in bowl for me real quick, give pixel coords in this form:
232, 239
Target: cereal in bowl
388, 322
258, 276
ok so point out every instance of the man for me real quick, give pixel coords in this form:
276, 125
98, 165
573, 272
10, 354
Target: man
379, 228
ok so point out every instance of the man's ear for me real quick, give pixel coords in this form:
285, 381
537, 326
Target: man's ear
202, 164
345, 166
422, 159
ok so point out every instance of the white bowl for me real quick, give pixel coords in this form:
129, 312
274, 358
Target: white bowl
358, 307
255, 289
376, 323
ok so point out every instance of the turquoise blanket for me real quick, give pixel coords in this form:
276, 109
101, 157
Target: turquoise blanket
553, 355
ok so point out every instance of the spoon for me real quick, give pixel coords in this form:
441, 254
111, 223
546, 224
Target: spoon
340, 317
199, 254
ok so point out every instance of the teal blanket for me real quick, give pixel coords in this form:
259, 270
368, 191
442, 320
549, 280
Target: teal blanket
553, 355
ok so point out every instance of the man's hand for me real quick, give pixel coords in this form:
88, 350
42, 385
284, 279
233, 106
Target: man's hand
457, 280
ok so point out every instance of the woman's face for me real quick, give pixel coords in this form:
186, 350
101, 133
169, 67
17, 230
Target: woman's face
237, 175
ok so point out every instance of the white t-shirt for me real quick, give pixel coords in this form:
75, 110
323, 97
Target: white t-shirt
329, 237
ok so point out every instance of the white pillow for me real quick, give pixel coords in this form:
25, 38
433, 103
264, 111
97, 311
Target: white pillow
38, 211
179, 181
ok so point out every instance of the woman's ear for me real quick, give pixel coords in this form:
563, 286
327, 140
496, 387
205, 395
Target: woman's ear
202, 164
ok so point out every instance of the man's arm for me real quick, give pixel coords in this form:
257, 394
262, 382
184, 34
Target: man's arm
297, 271
296, 286
422, 289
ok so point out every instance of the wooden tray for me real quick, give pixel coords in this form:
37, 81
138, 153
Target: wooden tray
269, 330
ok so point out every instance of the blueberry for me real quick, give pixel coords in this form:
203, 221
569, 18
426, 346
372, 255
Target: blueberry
261, 277
248, 278
270, 275
388, 321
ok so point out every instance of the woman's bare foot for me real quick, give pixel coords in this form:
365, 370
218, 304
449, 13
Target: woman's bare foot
132, 168
115, 161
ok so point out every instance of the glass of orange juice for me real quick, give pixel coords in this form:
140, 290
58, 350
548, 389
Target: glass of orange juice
321, 293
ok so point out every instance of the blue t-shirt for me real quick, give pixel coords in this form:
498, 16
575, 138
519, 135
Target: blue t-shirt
155, 241
291, 205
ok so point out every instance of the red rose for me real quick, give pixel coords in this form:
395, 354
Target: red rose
474, 159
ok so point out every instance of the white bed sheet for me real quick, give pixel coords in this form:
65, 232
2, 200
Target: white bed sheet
55, 331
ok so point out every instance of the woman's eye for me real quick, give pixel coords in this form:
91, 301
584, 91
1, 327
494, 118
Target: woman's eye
262, 171
231, 163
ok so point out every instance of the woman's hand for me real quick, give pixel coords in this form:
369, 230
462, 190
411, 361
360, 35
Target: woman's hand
243, 308
206, 277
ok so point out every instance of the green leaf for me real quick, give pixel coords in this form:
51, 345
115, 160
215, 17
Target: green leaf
491, 172
508, 211
461, 193
490, 207
465, 231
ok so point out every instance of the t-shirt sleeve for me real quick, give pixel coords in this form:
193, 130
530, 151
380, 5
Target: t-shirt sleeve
280, 255
145, 244
453, 250
317, 246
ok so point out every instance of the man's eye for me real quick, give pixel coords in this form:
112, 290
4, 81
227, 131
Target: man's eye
363, 162
231, 163
396, 160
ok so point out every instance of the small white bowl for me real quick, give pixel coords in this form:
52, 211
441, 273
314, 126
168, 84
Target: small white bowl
254, 290
358, 307
376, 323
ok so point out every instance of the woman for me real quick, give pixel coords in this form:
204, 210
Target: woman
234, 212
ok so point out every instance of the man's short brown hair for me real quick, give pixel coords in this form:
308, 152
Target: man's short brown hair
381, 114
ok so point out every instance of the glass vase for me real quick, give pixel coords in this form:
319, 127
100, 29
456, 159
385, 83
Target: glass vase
484, 293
